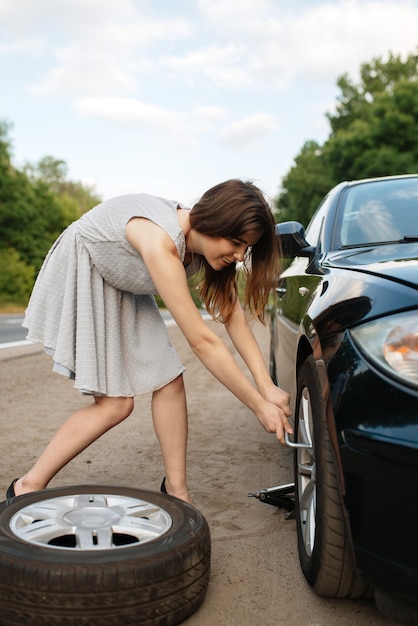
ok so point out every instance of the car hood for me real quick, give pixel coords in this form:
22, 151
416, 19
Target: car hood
397, 262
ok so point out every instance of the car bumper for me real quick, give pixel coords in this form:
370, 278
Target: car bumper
377, 425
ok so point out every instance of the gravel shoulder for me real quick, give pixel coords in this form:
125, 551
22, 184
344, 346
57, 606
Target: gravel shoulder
255, 574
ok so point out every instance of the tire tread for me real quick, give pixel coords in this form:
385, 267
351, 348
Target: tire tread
158, 587
330, 570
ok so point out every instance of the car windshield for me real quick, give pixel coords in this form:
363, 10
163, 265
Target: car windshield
379, 212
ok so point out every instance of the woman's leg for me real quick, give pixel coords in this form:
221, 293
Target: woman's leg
77, 433
169, 412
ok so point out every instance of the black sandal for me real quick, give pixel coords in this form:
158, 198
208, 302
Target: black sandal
10, 493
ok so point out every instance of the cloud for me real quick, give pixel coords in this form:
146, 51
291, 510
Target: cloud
90, 47
238, 15
222, 65
332, 38
210, 113
174, 126
131, 112
33, 46
209, 76
317, 41
87, 71
249, 130
23, 17
109, 47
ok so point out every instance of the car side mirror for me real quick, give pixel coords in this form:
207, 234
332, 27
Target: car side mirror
291, 236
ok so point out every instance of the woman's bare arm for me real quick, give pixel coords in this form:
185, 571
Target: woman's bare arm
244, 341
162, 260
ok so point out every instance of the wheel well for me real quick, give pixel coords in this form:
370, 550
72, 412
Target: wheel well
304, 350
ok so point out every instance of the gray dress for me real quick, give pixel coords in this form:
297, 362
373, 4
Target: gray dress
93, 306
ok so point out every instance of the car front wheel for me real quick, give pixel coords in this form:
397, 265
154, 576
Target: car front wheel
324, 552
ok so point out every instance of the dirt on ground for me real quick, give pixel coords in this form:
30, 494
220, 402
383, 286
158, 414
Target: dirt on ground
255, 573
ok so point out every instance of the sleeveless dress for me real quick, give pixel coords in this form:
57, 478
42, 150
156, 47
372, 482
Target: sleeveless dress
93, 305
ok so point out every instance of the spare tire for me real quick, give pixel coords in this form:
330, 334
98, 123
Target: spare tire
90, 555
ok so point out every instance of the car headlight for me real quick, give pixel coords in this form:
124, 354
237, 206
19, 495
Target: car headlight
392, 343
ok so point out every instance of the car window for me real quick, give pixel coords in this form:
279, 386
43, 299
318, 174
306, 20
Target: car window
314, 227
378, 211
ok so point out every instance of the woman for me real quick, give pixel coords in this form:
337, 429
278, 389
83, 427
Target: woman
94, 310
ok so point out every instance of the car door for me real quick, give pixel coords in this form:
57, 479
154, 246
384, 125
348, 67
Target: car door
296, 287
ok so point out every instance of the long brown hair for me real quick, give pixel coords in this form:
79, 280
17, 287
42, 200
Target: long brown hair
229, 210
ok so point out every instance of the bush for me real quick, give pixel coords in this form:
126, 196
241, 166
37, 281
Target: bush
16, 278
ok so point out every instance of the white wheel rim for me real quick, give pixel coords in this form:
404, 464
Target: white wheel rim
90, 522
306, 477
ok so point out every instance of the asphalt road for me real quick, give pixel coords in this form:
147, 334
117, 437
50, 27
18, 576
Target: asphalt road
11, 330
12, 334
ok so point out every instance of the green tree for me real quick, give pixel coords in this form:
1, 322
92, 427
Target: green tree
374, 132
30, 215
16, 278
304, 186
53, 172
377, 76
36, 205
383, 141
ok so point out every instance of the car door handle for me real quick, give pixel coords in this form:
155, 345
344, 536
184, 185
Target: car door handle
303, 291
281, 290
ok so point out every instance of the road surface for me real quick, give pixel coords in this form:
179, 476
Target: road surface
255, 573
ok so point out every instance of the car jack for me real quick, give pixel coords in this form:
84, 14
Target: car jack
282, 496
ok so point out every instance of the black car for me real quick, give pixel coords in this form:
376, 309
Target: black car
344, 344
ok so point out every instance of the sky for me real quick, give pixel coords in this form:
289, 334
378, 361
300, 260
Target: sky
171, 97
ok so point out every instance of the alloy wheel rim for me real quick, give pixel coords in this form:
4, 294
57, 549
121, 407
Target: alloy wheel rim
90, 521
306, 473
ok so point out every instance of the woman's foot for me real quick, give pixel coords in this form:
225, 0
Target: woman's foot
21, 486
182, 494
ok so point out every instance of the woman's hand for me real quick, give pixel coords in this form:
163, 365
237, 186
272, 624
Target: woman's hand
275, 412
277, 396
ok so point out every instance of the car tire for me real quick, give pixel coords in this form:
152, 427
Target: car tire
324, 551
89, 555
